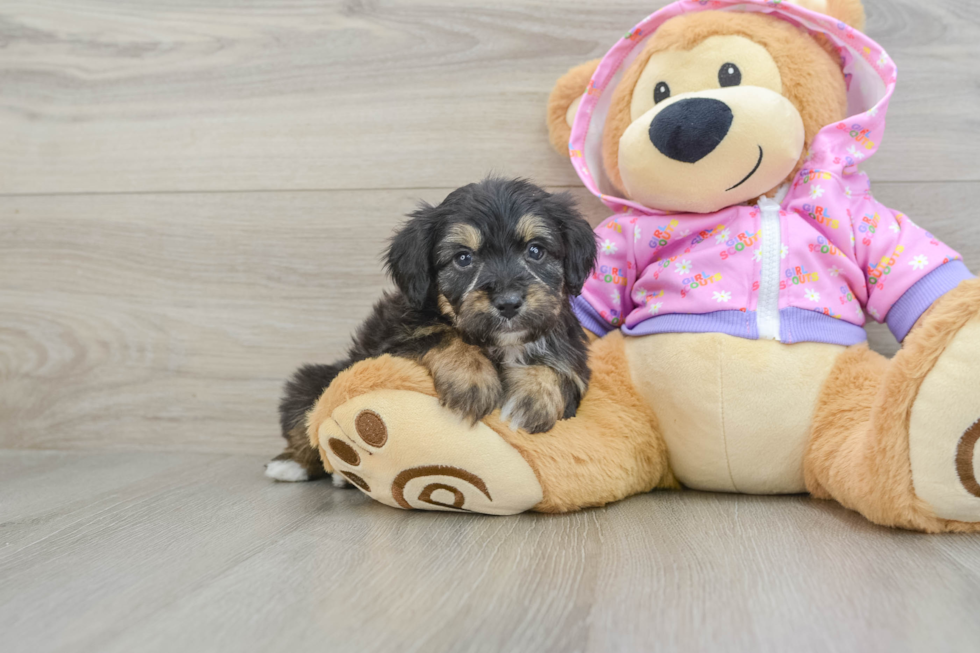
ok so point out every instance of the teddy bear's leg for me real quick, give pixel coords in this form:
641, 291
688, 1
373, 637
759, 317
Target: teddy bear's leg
897, 440
382, 427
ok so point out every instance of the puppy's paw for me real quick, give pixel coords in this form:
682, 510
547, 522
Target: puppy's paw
466, 381
473, 396
534, 399
286, 471
525, 412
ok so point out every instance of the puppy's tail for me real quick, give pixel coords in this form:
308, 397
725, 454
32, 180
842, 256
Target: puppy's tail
299, 461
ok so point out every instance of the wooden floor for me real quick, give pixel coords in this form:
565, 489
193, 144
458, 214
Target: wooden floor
193, 198
196, 552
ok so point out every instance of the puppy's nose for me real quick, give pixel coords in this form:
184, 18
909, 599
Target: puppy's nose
509, 304
691, 129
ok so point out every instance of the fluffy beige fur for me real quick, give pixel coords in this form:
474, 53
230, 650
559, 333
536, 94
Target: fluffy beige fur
859, 449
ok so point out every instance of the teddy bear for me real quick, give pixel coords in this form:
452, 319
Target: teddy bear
743, 256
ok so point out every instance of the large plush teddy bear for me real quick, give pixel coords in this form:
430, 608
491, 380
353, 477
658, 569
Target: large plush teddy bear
744, 253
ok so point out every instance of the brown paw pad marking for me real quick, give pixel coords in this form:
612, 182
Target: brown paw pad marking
356, 480
964, 460
344, 451
371, 428
425, 496
458, 498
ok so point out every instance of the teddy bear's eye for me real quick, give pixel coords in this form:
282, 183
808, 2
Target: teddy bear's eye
729, 75
660, 92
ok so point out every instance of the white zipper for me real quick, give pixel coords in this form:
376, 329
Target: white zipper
767, 311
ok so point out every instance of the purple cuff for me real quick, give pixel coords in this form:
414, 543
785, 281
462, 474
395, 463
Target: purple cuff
917, 299
589, 317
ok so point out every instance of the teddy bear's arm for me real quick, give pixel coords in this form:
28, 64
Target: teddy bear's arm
906, 268
606, 298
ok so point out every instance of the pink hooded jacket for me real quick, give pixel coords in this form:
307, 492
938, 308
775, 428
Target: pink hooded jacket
803, 268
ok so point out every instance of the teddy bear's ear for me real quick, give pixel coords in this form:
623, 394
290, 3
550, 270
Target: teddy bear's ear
848, 11
564, 101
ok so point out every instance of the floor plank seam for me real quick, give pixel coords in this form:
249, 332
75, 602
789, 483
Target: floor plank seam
369, 189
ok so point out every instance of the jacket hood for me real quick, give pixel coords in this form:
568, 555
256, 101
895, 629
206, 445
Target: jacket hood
837, 148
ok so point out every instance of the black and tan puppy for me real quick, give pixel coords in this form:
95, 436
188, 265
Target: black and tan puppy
484, 281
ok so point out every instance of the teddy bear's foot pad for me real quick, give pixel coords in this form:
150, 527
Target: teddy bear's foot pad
944, 430
405, 450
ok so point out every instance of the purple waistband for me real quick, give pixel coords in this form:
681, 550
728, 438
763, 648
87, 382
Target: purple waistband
796, 325
734, 323
801, 325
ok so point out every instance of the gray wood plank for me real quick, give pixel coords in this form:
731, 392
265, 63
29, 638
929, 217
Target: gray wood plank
125, 319
168, 322
109, 96
44, 492
164, 322
210, 556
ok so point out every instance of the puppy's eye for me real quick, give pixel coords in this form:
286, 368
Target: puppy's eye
729, 75
463, 259
660, 92
535, 252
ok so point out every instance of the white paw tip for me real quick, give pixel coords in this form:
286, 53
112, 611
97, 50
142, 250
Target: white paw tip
338, 481
288, 471
508, 417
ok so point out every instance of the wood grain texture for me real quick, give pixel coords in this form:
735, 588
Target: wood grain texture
193, 199
192, 552
169, 321
180, 95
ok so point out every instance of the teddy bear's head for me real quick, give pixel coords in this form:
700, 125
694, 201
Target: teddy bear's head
718, 107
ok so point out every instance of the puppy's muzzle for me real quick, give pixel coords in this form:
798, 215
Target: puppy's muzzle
691, 129
508, 304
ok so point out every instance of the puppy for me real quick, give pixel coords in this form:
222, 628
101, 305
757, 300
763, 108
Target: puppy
484, 281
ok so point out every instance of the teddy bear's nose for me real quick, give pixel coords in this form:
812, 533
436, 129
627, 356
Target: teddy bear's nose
691, 129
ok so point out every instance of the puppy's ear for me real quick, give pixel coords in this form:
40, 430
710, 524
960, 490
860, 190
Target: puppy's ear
409, 258
578, 240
